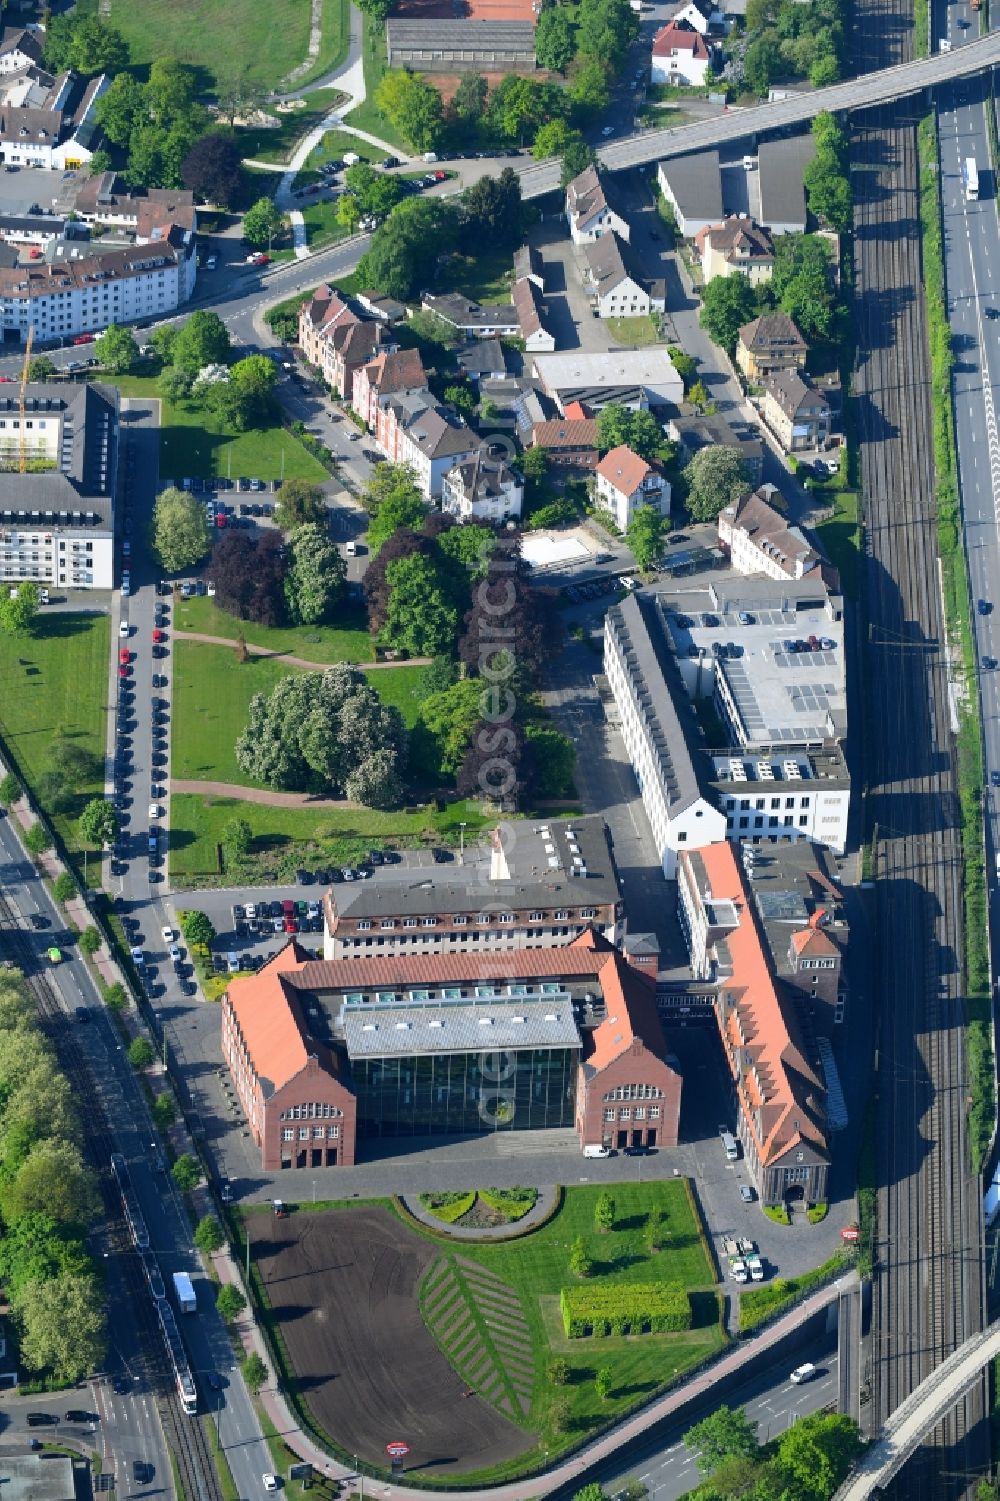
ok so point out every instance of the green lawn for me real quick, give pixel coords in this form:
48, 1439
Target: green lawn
198, 442
840, 537
287, 838
212, 693
55, 682
321, 222
276, 143
485, 277
536, 1268
366, 116
320, 643
217, 36
335, 35
632, 331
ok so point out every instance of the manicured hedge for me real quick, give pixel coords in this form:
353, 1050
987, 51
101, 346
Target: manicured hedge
512, 1203
448, 1207
625, 1308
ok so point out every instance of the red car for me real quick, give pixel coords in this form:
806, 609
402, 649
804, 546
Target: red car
220, 519
157, 635
84, 339
124, 670
440, 176
124, 655
291, 925
288, 908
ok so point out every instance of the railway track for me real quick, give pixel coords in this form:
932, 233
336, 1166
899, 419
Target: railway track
184, 1435
929, 1271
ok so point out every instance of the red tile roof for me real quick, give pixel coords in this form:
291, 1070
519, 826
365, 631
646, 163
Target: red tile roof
402, 370
269, 1025
671, 38
778, 1092
581, 433
624, 469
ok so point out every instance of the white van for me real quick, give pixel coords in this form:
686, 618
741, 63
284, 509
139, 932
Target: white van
351, 549
731, 1146
802, 1374
596, 1150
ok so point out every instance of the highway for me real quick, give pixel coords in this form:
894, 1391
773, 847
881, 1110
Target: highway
895, 82
928, 1285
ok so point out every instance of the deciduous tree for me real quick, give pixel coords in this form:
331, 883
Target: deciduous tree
208, 1237
726, 1433
413, 105
604, 1213
299, 503
53, 1180
644, 535
421, 619
141, 1053
237, 837
202, 340
198, 929
255, 1372
249, 577
181, 536
213, 169
451, 716
62, 1326
727, 303
117, 350
17, 614
186, 1172
99, 821
555, 38
314, 583
716, 477
230, 1302
263, 222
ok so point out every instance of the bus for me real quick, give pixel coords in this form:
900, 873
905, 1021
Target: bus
970, 176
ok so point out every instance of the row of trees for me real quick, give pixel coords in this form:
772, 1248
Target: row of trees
48, 1198
784, 39
807, 1463
826, 178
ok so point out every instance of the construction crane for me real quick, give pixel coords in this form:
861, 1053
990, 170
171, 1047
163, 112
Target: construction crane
23, 403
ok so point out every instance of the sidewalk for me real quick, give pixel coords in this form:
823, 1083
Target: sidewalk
264, 651
536, 1215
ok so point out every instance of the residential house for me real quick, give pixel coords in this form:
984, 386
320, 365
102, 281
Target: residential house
528, 266
680, 56
736, 247
625, 482
796, 412
769, 343
61, 132
590, 210
570, 443
431, 439
106, 200
334, 339
19, 48
482, 359
713, 431
387, 375
529, 311
619, 288
692, 185
780, 1097
758, 539
702, 16
471, 318
483, 488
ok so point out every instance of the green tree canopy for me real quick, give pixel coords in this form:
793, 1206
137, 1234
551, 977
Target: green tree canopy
815, 1455
413, 105
644, 535
99, 821
404, 251
726, 1433
186, 1172
201, 340
208, 1237
62, 1326
213, 169
555, 38
17, 614
230, 1302
451, 716
422, 619
141, 1052
300, 503
117, 350
716, 478
53, 1180
727, 303
314, 583
262, 222
181, 536
198, 929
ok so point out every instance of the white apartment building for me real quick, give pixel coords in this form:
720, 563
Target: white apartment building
82, 288
482, 488
681, 817
625, 482
57, 526
758, 539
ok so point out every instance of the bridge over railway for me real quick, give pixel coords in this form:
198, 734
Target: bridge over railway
920, 1414
866, 92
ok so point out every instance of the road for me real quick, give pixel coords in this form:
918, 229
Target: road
738, 125
668, 1468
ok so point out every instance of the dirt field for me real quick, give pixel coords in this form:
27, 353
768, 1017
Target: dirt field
470, 10
344, 1288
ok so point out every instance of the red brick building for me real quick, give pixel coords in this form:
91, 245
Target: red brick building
321, 1052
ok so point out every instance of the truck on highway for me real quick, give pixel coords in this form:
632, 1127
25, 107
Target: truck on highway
184, 1292
970, 176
